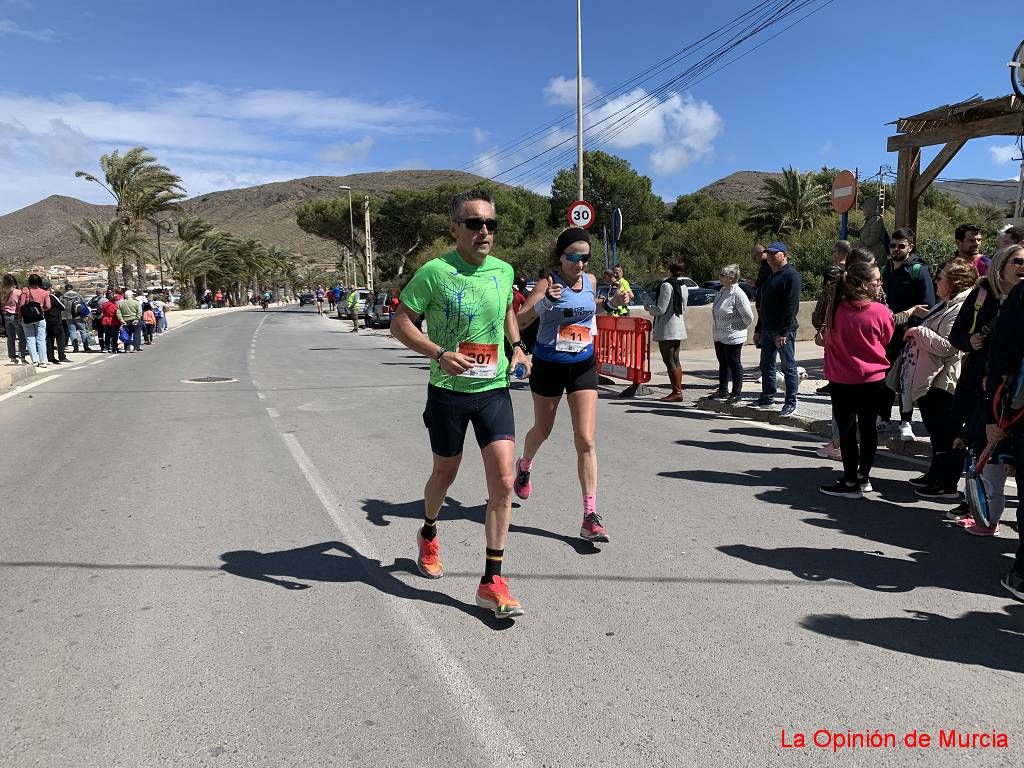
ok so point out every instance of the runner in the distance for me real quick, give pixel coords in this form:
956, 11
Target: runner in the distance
319, 299
564, 361
466, 295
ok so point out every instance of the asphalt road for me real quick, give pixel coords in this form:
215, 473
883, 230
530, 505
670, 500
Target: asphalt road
221, 574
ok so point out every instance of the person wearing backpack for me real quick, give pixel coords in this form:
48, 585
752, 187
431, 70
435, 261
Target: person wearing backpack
669, 328
78, 310
907, 283
56, 332
32, 306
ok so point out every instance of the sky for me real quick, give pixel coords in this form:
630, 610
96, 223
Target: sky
229, 94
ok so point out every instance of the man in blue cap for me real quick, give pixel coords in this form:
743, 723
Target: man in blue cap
777, 319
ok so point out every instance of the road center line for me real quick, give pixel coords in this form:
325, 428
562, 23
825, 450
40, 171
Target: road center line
476, 711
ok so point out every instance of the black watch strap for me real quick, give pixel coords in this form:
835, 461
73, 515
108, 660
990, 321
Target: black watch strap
440, 354
519, 344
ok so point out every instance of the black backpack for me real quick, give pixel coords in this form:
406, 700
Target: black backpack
32, 311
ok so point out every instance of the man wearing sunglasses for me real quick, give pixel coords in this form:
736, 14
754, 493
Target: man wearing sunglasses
907, 284
466, 296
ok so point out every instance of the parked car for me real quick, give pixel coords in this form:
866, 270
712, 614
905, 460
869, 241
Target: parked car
378, 314
716, 286
306, 298
362, 295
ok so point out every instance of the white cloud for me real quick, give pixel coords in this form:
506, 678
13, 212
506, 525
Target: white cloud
561, 91
680, 129
346, 153
211, 137
9, 28
1005, 154
827, 148
488, 164
479, 135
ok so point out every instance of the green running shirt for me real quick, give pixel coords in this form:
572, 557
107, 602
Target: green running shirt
465, 308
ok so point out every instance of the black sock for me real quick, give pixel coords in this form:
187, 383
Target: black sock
429, 530
492, 564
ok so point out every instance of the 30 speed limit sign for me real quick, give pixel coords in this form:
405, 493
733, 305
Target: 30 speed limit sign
581, 214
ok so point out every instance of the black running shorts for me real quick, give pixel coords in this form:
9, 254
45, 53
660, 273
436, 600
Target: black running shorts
552, 379
448, 415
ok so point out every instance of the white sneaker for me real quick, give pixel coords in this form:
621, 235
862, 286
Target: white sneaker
884, 425
829, 451
906, 432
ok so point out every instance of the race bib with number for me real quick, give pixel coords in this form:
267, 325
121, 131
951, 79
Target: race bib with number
573, 338
485, 359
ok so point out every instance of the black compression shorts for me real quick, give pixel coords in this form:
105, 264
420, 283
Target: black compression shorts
448, 415
552, 379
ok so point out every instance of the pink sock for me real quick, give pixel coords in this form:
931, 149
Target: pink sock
589, 504
525, 464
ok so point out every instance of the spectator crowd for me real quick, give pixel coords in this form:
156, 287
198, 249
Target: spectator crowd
41, 321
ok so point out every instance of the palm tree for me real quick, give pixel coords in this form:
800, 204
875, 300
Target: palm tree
142, 188
793, 202
112, 243
186, 262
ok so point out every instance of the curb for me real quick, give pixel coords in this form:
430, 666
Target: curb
917, 449
12, 376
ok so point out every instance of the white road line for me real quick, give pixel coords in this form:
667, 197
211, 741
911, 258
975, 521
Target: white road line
97, 362
476, 711
272, 413
261, 396
29, 386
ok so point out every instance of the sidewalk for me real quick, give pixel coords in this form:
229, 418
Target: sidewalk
813, 412
12, 376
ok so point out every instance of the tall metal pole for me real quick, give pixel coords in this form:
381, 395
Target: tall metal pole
351, 261
159, 257
369, 250
1019, 210
579, 103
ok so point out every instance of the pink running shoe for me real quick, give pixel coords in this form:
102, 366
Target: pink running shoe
522, 486
592, 530
982, 530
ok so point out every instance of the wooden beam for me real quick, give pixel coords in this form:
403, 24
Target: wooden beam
935, 167
1010, 124
908, 169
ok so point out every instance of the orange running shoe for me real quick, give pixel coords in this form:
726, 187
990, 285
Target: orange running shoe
496, 597
429, 558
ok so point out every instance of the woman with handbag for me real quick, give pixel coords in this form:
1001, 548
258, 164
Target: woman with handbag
669, 328
33, 303
858, 328
930, 370
17, 347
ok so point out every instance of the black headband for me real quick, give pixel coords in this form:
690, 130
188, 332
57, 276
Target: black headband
570, 236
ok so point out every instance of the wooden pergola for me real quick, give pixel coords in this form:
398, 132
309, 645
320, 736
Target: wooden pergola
953, 126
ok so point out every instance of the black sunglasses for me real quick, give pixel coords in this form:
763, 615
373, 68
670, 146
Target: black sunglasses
475, 223
1018, 261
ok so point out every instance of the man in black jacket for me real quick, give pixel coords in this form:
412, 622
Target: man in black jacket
1005, 366
907, 283
777, 320
56, 333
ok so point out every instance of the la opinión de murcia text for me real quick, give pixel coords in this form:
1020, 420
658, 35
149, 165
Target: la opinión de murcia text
950, 738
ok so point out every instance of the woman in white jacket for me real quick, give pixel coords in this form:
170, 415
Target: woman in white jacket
931, 367
732, 316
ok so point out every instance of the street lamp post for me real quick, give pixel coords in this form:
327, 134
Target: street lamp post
351, 231
368, 249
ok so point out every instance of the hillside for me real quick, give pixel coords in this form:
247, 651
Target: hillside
42, 233
745, 187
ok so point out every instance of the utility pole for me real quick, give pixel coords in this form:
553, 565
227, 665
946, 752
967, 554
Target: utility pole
579, 103
369, 250
351, 261
1018, 212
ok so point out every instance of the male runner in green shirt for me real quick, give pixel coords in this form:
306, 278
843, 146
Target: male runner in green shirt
466, 296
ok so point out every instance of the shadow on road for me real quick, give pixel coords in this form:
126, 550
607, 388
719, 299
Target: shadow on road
987, 639
378, 511
290, 568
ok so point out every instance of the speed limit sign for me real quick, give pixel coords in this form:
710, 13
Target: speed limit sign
581, 214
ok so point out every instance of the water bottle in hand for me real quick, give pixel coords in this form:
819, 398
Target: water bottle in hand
519, 371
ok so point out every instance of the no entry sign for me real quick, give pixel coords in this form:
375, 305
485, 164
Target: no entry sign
844, 192
581, 214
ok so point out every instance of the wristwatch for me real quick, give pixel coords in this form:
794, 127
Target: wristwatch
440, 354
519, 344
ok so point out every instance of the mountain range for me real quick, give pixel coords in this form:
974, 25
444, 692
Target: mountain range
42, 233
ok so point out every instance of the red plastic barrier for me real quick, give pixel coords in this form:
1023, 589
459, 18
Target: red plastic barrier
624, 348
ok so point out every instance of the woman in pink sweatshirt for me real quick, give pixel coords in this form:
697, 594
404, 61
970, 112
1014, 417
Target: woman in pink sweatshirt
859, 327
